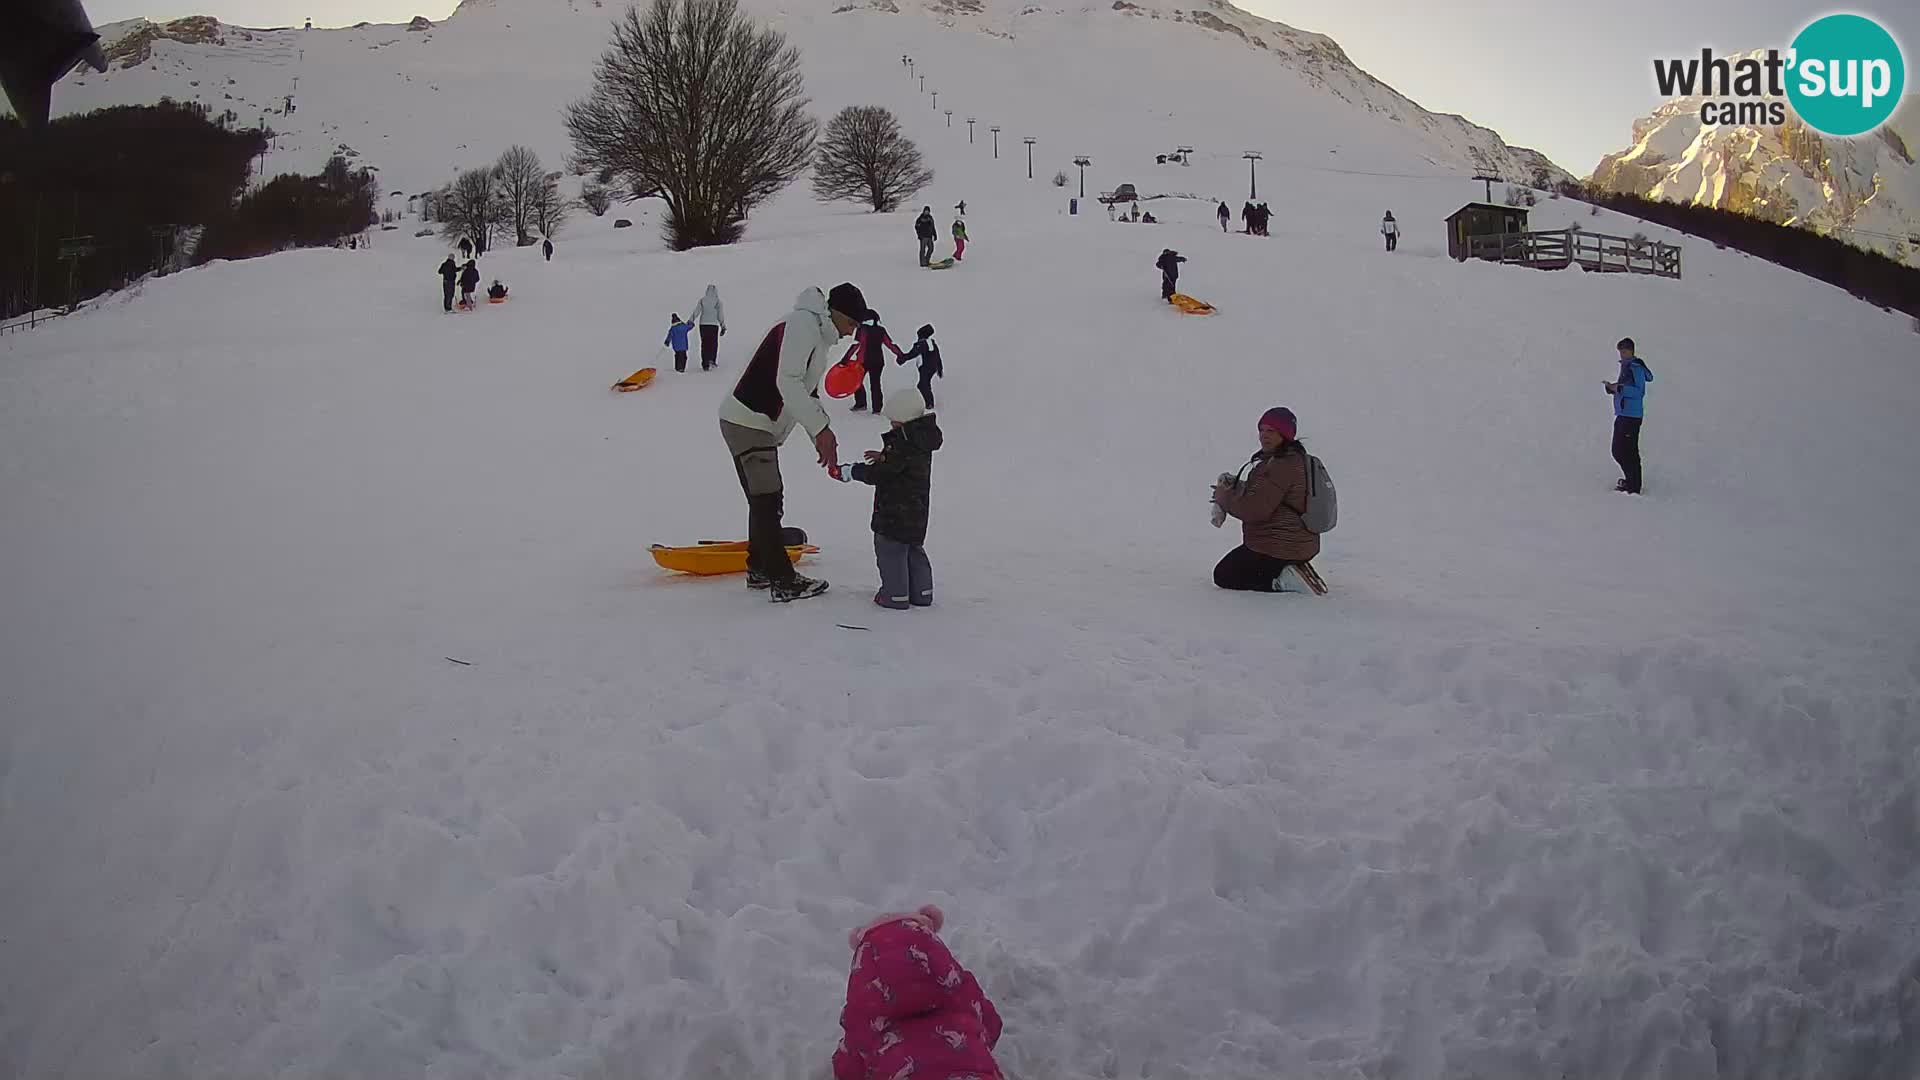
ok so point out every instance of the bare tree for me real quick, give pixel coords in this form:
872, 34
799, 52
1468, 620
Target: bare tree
520, 178
694, 101
549, 208
596, 198
864, 157
471, 207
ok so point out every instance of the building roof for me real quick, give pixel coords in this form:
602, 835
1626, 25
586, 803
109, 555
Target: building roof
1486, 206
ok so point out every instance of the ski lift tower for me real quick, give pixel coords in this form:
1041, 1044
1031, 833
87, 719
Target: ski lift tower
1083, 161
1253, 180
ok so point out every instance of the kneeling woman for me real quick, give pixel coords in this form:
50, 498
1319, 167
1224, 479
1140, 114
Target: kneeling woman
1268, 503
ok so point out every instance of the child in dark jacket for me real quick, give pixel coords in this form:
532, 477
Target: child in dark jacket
902, 479
927, 351
677, 333
911, 1008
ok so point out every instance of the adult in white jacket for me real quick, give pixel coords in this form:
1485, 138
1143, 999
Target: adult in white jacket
1390, 229
711, 314
778, 391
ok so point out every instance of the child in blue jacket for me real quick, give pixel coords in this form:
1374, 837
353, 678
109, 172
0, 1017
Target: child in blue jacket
1629, 409
677, 337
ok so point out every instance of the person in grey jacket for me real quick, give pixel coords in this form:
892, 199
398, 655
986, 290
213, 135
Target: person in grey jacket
711, 316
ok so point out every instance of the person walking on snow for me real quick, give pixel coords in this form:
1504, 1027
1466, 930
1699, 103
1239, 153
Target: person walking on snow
1629, 409
1390, 229
711, 314
927, 231
677, 333
1169, 265
959, 239
469, 281
927, 351
546, 247
867, 342
961, 206
912, 1010
1226, 216
1270, 504
449, 277
466, 248
902, 479
778, 391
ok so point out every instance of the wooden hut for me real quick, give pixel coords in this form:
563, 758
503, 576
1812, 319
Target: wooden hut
1481, 219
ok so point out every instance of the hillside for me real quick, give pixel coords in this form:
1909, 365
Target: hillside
417, 101
1865, 191
351, 732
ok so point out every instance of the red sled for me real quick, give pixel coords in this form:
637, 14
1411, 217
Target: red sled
845, 377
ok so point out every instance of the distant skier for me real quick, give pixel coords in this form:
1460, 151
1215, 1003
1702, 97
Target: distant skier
778, 389
927, 231
677, 332
1629, 409
1270, 502
1226, 217
867, 343
546, 248
1246, 218
449, 277
902, 479
959, 239
1169, 265
961, 206
927, 351
711, 314
1261, 217
466, 248
1390, 229
469, 281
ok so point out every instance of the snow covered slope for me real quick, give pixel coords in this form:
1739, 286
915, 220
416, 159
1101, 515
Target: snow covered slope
1865, 191
349, 731
418, 102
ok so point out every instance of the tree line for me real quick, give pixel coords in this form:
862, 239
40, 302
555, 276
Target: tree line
1868, 275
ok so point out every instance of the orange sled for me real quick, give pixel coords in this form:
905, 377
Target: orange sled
707, 559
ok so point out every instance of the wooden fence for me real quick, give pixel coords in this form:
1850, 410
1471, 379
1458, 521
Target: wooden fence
1565, 247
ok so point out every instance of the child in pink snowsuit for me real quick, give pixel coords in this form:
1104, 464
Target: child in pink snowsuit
912, 1010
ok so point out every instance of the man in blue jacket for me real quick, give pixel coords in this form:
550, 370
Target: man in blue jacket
1629, 409
677, 337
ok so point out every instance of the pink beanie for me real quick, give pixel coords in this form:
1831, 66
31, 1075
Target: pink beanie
928, 916
1280, 419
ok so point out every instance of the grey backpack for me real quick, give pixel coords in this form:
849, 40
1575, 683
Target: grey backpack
1323, 503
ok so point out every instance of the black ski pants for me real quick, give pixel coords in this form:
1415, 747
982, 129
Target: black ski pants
446, 295
1246, 570
1626, 449
709, 347
860, 394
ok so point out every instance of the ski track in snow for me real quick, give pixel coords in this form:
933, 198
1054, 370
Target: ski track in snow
1555, 783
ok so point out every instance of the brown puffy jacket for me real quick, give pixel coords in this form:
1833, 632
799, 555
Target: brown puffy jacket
1269, 503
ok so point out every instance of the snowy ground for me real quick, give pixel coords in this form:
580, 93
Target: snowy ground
1556, 782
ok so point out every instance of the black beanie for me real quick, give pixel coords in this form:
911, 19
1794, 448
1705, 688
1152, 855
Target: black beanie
847, 300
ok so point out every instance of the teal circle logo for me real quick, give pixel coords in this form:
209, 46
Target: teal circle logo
1845, 75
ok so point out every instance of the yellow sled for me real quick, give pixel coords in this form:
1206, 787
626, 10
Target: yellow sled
1190, 306
636, 380
728, 558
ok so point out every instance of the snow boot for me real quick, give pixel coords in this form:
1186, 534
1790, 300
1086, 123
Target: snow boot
892, 603
799, 588
757, 581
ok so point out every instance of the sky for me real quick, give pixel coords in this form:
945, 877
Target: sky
1565, 77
